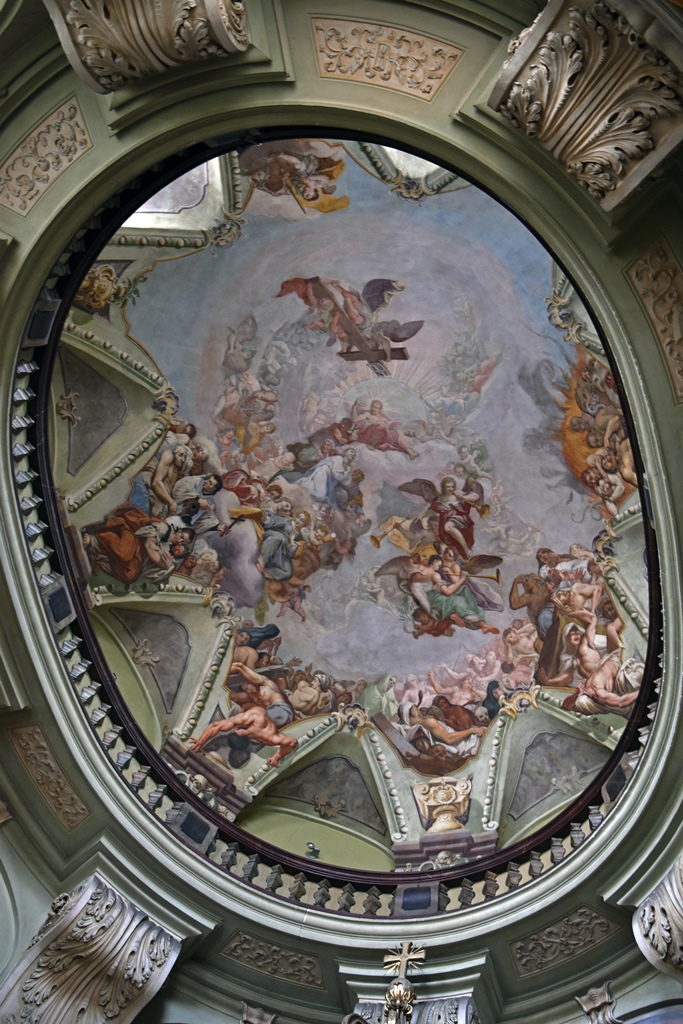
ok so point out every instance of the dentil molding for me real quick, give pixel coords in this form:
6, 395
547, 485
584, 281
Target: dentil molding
98, 958
112, 42
588, 88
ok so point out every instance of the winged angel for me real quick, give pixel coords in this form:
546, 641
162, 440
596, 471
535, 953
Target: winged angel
341, 314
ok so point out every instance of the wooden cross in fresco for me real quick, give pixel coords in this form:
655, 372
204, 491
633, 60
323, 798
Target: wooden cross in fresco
401, 960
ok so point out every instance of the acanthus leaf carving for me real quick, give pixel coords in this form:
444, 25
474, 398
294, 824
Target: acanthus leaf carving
593, 93
97, 958
113, 42
658, 924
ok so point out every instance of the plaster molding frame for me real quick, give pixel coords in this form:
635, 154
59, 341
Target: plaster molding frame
586, 87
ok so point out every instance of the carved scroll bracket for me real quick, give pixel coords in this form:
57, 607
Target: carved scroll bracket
588, 88
112, 42
658, 924
97, 958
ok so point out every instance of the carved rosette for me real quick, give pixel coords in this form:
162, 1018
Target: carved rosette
112, 42
585, 86
97, 958
658, 924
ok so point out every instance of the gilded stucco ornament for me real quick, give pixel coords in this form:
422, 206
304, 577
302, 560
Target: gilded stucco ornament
97, 958
589, 89
112, 43
658, 924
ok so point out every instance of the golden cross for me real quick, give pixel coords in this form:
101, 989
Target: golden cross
401, 960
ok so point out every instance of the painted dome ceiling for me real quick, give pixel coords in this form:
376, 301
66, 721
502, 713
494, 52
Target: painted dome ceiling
351, 507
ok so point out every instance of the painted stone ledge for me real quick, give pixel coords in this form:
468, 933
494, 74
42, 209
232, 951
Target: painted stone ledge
658, 924
98, 957
42, 765
41, 157
589, 89
110, 43
657, 277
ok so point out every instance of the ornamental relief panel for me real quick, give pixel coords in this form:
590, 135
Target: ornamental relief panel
43, 155
42, 765
560, 941
383, 55
591, 91
657, 278
270, 958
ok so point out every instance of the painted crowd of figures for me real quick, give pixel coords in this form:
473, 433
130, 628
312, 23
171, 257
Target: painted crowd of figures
265, 511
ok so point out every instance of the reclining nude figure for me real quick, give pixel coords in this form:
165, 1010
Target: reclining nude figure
604, 684
261, 722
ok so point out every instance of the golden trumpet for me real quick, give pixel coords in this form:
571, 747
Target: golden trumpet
482, 576
377, 539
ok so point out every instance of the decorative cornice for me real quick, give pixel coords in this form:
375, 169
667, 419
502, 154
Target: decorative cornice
658, 924
113, 42
277, 961
358, 51
560, 941
657, 277
42, 156
97, 958
42, 765
589, 89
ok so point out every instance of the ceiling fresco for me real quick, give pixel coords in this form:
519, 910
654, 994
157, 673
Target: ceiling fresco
350, 499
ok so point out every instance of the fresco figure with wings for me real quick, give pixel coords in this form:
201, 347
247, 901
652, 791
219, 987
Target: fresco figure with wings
342, 314
453, 507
